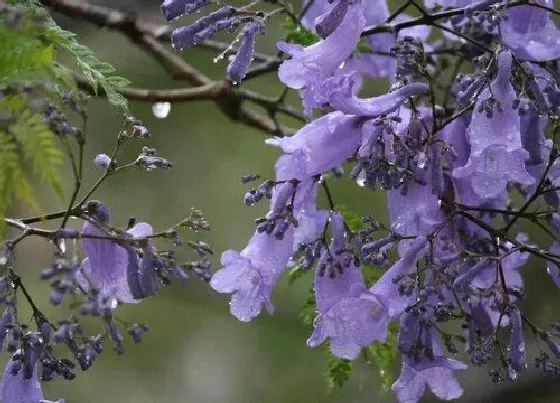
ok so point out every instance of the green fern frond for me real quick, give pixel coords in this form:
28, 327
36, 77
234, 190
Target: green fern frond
36, 143
94, 70
39, 148
13, 183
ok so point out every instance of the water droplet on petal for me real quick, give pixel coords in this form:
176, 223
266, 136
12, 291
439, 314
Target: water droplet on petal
161, 109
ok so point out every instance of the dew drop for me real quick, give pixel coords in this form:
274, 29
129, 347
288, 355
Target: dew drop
361, 180
161, 109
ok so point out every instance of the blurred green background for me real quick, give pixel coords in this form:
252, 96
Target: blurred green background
196, 352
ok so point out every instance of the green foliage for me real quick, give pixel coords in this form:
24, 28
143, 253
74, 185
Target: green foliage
13, 183
27, 141
384, 356
23, 57
308, 310
36, 142
353, 220
297, 33
338, 371
96, 72
30, 79
295, 273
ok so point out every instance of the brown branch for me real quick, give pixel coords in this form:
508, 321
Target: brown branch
147, 36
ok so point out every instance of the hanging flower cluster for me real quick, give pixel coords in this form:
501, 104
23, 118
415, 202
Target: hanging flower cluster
448, 163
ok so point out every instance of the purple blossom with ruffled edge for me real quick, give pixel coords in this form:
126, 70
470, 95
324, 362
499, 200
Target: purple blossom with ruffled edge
348, 314
251, 274
531, 33
115, 270
437, 374
497, 154
320, 60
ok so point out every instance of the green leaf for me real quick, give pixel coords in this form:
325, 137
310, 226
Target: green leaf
95, 71
297, 33
353, 220
13, 183
384, 357
308, 311
296, 273
38, 148
338, 371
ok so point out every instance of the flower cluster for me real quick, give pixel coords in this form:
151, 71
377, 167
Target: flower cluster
448, 156
119, 266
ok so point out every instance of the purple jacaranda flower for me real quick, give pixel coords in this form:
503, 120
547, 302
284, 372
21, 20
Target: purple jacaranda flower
203, 29
251, 274
325, 143
320, 60
386, 289
385, 66
497, 154
318, 94
418, 211
375, 12
238, 67
20, 382
114, 269
534, 141
348, 314
482, 276
447, 3
531, 33
376, 106
437, 374
431, 368
175, 8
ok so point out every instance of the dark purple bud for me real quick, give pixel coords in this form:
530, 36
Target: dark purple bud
140, 131
408, 332
185, 37
249, 178
45, 329
115, 334
327, 23
281, 229
102, 161
517, 341
175, 8
238, 67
